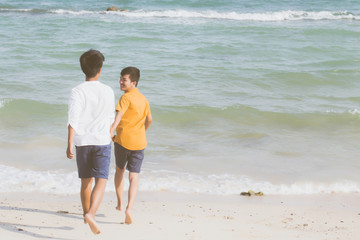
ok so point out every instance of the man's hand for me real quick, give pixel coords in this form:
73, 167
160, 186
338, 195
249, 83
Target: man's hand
113, 137
69, 150
69, 153
114, 125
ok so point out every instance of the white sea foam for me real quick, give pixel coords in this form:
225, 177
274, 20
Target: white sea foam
288, 15
16, 180
4, 102
354, 111
230, 184
266, 16
15, 10
82, 12
351, 111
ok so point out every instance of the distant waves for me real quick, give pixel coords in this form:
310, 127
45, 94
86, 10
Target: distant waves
289, 15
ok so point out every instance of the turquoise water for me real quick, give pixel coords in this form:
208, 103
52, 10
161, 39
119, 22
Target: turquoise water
245, 95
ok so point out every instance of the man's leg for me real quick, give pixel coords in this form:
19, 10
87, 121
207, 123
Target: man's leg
133, 188
96, 198
119, 186
85, 194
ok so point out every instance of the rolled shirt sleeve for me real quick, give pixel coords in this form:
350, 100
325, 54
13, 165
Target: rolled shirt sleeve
123, 104
74, 109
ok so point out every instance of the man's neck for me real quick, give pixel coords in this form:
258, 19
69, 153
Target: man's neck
91, 79
95, 78
129, 90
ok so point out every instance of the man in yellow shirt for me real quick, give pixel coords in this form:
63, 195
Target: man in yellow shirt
133, 118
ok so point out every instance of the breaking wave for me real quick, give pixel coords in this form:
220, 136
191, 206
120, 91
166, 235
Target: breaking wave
17, 180
288, 15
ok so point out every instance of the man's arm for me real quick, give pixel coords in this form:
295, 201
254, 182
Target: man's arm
69, 150
116, 122
148, 121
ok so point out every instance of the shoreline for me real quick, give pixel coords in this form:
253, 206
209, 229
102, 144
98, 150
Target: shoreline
168, 215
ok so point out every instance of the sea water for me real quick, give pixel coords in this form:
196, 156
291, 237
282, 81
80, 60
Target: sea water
260, 95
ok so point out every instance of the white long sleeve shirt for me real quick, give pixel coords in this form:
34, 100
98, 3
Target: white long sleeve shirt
91, 113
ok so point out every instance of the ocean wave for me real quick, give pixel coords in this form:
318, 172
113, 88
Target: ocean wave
16, 180
3, 102
266, 16
288, 15
245, 115
25, 112
226, 184
24, 118
71, 12
23, 10
354, 112
10, 106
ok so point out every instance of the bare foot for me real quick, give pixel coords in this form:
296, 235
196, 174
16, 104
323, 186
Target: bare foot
118, 207
92, 223
128, 219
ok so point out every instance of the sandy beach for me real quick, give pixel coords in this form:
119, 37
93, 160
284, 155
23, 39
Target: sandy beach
260, 95
166, 215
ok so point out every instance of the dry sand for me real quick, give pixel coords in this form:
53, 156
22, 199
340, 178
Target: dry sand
166, 215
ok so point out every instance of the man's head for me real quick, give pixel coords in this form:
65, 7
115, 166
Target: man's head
91, 62
129, 78
133, 72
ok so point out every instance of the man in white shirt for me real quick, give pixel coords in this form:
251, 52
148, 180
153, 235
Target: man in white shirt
91, 113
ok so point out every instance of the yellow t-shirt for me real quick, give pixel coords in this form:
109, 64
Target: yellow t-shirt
130, 133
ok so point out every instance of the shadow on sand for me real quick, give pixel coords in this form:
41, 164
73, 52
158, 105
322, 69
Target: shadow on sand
20, 228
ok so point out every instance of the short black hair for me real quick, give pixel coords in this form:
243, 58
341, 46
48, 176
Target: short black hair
133, 72
91, 62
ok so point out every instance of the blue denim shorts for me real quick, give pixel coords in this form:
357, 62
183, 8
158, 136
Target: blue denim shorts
93, 161
132, 159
